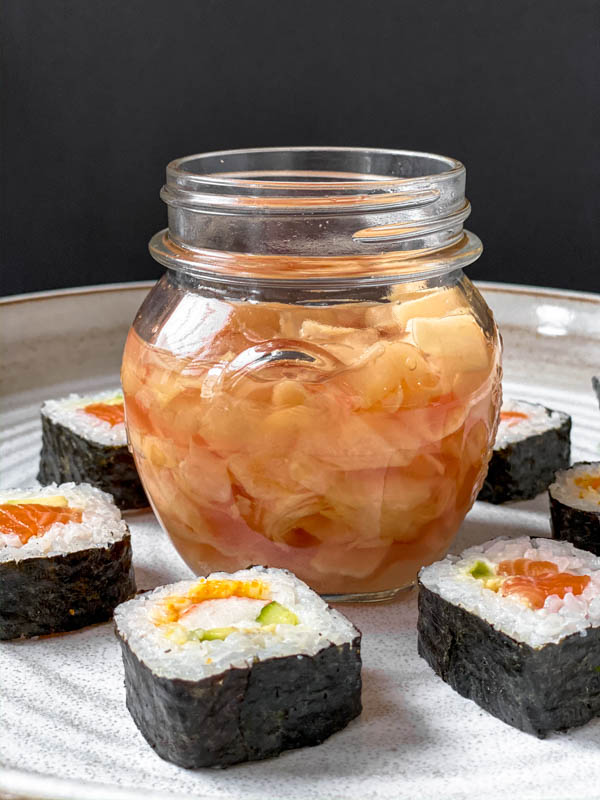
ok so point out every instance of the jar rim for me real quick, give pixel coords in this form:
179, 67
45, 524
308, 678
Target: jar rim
254, 209
256, 181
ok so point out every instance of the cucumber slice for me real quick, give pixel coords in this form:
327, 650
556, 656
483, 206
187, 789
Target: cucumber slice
216, 633
276, 614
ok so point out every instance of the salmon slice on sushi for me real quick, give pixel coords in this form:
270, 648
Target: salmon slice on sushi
65, 559
515, 626
237, 667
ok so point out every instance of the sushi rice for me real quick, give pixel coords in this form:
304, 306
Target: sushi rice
69, 412
538, 420
101, 523
566, 490
169, 655
450, 579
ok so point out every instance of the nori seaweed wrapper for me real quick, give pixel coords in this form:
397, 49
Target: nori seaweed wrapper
245, 714
66, 457
581, 528
538, 690
596, 387
524, 469
59, 593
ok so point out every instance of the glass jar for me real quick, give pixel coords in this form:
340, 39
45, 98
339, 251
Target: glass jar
314, 383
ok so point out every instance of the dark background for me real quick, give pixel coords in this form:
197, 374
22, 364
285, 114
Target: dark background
98, 95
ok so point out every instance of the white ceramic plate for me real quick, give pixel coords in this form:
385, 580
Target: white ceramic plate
64, 729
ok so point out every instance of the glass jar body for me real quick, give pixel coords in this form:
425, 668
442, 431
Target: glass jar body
340, 432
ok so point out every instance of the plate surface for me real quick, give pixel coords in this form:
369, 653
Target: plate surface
64, 728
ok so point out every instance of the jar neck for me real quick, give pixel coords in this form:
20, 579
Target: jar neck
314, 213
306, 293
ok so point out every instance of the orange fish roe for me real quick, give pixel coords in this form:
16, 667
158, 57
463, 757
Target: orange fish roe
586, 482
34, 519
534, 581
109, 412
512, 417
171, 608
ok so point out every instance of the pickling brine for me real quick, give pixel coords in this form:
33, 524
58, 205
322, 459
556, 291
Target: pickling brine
345, 442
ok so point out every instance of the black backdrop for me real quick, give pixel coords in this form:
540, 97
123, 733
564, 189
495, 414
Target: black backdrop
98, 95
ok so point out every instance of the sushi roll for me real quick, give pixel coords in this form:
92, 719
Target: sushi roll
65, 559
575, 505
515, 626
84, 440
532, 443
237, 667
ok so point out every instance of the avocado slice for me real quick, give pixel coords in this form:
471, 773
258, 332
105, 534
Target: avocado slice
276, 614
